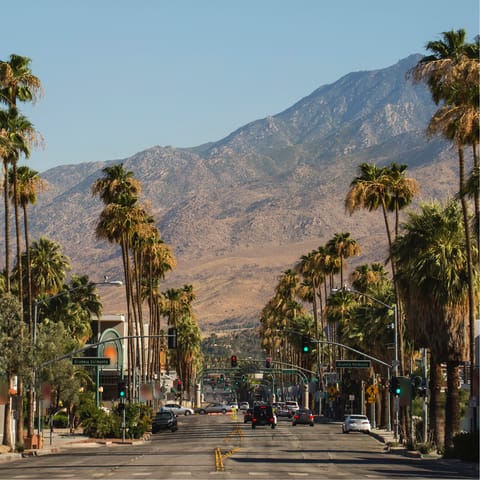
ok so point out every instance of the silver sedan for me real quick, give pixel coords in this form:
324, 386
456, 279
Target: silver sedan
177, 409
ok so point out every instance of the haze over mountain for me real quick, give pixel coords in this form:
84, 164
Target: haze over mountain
240, 211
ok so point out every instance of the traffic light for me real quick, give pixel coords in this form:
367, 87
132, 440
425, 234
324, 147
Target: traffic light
395, 386
233, 360
172, 337
267, 362
122, 390
306, 344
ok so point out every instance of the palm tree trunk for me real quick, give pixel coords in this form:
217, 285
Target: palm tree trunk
20, 413
31, 390
468, 246
452, 413
436, 413
7, 224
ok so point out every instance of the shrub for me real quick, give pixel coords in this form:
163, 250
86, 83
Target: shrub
60, 420
465, 447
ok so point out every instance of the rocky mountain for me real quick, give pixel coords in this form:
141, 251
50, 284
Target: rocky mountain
240, 211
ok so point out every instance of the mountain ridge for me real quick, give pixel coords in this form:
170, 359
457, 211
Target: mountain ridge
276, 186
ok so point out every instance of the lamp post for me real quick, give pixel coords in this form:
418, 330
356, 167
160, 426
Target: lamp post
35, 321
395, 362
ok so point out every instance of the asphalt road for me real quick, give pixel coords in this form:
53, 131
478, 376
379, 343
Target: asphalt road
213, 446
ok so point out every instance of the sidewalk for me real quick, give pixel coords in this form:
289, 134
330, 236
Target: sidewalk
61, 438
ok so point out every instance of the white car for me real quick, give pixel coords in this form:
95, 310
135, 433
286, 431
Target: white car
292, 406
244, 406
177, 409
356, 423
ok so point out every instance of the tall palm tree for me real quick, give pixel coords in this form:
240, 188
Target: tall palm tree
12, 126
451, 73
389, 189
344, 247
29, 182
17, 83
432, 274
119, 190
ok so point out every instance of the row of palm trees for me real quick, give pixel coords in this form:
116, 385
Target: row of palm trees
17, 137
42, 271
433, 255
146, 261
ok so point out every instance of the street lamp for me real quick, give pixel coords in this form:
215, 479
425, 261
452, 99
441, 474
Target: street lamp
395, 363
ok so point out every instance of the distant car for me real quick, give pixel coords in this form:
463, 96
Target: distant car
303, 416
247, 415
283, 411
233, 405
244, 406
177, 409
214, 408
356, 423
165, 420
292, 406
263, 415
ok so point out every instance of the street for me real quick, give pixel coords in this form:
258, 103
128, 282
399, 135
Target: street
211, 446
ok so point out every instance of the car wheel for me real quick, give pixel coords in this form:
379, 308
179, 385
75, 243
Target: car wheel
311, 424
273, 426
202, 412
224, 411
253, 426
294, 424
187, 412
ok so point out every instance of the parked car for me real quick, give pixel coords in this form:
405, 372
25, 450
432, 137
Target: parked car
214, 408
244, 406
263, 415
303, 416
247, 415
356, 423
164, 420
177, 409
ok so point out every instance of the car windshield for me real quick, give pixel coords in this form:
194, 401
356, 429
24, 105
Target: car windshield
163, 415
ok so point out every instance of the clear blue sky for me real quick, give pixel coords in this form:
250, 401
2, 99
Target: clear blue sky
122, 76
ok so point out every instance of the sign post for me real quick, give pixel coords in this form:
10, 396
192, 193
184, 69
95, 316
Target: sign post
90, 361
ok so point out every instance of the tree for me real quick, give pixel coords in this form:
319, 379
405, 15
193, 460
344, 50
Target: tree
451, 73
15, 352
29, 183
432, 275
49, 267
343, 246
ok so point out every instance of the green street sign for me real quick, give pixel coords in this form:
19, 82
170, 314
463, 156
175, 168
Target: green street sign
352, 364
90, 361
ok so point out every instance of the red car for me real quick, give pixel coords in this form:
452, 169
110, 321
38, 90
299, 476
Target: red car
247, 415
303, 415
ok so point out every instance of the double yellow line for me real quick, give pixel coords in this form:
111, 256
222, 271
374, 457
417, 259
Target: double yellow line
219, 456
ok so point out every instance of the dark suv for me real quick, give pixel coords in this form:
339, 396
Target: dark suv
263, 415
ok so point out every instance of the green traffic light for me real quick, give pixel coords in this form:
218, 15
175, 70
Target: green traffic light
306, 349
397, 391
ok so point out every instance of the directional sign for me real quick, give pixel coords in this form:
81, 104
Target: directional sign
352, 363
90, 361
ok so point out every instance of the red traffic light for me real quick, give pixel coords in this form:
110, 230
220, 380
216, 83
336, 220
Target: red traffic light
233, 360
267, 362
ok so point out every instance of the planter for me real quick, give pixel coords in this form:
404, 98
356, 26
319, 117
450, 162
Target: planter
33, 442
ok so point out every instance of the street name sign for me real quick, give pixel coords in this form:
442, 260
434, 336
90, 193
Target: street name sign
352, 363
90, 361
